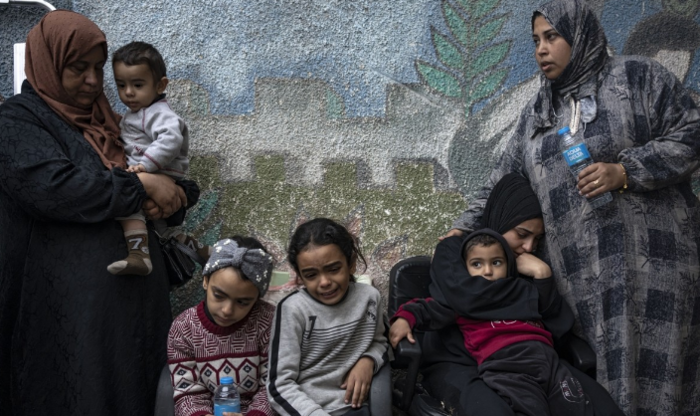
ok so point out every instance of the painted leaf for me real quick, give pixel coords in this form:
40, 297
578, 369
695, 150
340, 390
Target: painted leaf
447, 52
465, 4
487, 59
211, 236
200, 212
481, 8
439, 80
456, 24
489, 30
686, 8
487, 85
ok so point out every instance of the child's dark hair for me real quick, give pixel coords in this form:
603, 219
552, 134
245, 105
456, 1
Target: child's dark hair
137, 53
322, 232
484, 240
248, 242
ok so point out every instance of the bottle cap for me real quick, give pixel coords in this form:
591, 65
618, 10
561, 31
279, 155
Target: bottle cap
563, 131
227, 380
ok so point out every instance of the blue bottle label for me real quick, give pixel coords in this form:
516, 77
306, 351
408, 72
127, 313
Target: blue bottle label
219, 409
576, 154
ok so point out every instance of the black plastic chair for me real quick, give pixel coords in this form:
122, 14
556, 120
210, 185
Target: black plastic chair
409, 279
165, 405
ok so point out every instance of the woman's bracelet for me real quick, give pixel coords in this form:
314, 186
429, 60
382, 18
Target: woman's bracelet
624, 175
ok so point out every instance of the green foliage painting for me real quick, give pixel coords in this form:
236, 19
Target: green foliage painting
688, 8
469, 59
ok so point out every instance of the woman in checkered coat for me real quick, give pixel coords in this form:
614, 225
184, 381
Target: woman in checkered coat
630, 268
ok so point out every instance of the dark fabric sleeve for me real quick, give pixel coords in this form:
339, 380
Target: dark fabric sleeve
476, 297
669, 120
428, 315
192, 193
47, 170
557, 316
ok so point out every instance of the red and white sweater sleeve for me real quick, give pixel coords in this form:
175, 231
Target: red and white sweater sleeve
192, 398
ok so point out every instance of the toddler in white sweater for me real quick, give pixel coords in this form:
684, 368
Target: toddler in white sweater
155, 140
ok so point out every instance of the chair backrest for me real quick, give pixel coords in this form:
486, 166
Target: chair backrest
408, 279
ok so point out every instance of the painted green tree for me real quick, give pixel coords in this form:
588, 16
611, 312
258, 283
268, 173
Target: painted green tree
687, 8
469, 57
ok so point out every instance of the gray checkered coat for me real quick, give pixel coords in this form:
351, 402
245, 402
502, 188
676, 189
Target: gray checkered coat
629, 269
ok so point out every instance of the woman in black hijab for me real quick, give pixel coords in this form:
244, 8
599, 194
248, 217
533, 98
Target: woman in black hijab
449, 372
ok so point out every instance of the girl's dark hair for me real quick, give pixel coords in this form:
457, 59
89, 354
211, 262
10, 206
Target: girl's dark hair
137, 53
248, 242
322, 232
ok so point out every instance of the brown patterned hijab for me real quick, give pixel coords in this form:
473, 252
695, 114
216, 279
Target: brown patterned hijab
59, 39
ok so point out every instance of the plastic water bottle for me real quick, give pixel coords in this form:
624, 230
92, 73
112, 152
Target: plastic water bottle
577, 157
226, 398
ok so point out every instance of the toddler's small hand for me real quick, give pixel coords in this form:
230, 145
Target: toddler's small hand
136, 168
399, 330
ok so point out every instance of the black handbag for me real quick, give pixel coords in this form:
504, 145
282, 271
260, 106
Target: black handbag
179, 260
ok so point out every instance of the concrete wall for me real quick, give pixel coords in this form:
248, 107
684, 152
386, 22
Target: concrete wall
386, 114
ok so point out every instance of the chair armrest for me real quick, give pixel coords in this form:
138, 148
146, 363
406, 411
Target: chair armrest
578, 353
407, 355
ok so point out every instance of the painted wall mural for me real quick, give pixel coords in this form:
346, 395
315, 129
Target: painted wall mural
385, 114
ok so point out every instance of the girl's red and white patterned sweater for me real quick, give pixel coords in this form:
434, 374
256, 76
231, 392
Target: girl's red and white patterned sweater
200, 353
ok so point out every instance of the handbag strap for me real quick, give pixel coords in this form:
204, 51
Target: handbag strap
182, 247
190, 253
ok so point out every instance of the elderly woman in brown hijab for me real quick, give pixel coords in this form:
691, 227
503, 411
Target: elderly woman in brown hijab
74, 339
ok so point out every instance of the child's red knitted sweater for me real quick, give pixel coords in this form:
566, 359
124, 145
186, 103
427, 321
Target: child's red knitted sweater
200, 353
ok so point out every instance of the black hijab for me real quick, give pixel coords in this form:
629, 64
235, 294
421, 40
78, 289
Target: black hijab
579, 26
511, 202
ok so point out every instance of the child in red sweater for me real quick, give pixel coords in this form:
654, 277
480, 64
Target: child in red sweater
516, 357
227, 334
